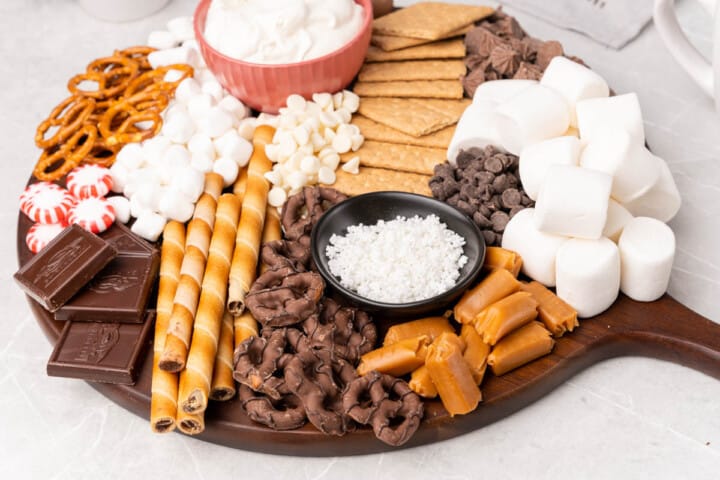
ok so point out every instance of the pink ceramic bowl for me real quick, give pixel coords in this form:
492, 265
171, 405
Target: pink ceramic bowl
266, 87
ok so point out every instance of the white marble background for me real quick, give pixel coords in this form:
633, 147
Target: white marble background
625, 418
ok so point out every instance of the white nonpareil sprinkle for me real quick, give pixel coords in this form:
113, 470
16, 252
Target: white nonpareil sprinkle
398, 261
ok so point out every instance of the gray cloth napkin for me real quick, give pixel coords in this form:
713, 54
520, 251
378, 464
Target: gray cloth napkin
610, 22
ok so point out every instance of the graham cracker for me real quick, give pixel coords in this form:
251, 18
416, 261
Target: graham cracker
412, 70
373, 130
393, 156
451, 108
391, 43
429, 20
411, 89
435, 50
405, 115
379, 179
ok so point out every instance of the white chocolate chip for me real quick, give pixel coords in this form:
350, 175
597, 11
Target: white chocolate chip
338, 99
352, 166
342, 143
301, 134
246, 128
296, 102
331, 161
326, 175
357, 141
277, 196
351, 101
322, 99
309, 165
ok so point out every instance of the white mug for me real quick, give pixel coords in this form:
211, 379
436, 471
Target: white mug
705, 74
121, 10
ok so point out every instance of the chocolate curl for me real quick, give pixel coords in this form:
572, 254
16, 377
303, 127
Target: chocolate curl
163, 391
244, 326
185, 303
243, 270
271, 232
222, 387
195, 380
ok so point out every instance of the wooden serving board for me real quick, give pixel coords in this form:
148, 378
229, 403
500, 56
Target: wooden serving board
664, 329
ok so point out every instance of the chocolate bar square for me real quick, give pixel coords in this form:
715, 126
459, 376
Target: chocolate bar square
101, 352
64, 266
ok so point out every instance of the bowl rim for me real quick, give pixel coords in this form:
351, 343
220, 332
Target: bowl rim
204, 5
378, 305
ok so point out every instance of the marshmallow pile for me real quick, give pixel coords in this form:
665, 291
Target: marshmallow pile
205, 129
602, 198
309, 139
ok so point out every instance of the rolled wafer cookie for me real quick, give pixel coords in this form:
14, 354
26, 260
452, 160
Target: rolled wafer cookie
222, 387
243, 270
196, 378
197, 243
163, 390
190, 423
244, 326
272, 230
240, 184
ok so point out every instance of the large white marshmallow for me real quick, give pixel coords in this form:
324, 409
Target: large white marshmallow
647, 250
662, 201
535, 114
538, 157
537, 249
499, 91
476, 128
573, 201
588, 274
575, 82
617, 217
594, 115
632, 166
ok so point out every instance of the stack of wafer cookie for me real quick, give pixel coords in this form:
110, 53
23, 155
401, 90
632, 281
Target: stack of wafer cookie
411, 96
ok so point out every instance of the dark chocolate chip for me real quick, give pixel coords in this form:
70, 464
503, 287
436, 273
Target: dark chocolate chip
494, 165
511, 198
500, 184
465, 207
489, 237
499, 221
453, 200
485, 178
481, 220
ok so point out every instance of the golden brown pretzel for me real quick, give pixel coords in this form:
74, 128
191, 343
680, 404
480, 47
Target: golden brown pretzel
56, 163
139, 54
68, 116
129, 131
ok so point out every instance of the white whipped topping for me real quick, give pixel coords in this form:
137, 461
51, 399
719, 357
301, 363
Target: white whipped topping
281, 31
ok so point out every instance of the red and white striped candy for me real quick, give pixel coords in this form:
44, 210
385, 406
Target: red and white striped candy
40, 234
46, 202
93, 214
89, 181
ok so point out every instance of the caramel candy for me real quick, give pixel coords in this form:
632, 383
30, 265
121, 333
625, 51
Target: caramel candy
451, 375
476, 352
397, 359
421, 383
497, 257
504, 316
557, 315
496, 286
520, 347
430, 326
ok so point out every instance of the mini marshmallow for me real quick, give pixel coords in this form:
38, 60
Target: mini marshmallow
121, 205
277, 197
227, 168
149, 225
662, 201
647, 250
500, 91
237, 148
199, 106
154, 148
588, 274
189, 182
216, 122
617, 217
246, 128
119, 174
202, 162
213, 88
161, 40
179, 127
573, 201
596, 114
234, 106
130, 156
187, 89
138, 207
173, 56
476, 128
173, 75
173, 205
632, 166
181, 28
200, 143
147, 196
536, 113
575, 82
537, 249
536, 159
296, 102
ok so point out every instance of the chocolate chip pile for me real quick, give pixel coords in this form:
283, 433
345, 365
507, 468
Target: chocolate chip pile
499, 48
485, 186
302, 365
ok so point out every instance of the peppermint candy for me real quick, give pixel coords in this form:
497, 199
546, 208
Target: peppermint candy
93, 214
40, 234
45, 202
89, 181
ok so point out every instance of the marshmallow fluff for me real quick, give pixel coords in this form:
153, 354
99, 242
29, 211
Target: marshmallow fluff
536, 159
647, 250
537, 249
281, 31
588, 274
573, 201
536, 113
476, 128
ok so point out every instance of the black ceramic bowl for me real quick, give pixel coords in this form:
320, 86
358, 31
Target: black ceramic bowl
368, 209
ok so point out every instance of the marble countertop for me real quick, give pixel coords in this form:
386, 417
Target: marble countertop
624, 418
